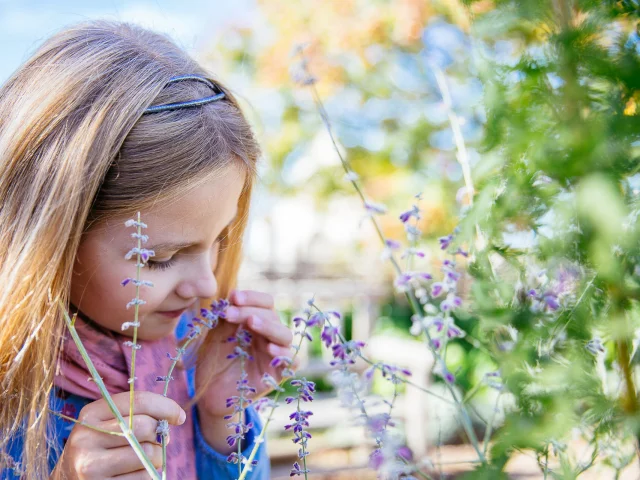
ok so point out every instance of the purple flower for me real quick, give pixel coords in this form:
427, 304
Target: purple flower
405, 453
212, 316
329, 335
375, 208
402, 280
347, 351
438, 322
376, 459
296, 470
551, 300
233, 458
391, 371
162, 430
413, 251
392, 244
454, 332
125, 281
437, 289
378, 423
281, 360
305, 389
263, 404
317, 319
414, 212
451, 275
445, 242
450, 303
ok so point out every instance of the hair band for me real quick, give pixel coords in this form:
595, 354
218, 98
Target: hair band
189, 103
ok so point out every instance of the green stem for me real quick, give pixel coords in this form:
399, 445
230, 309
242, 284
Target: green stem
128, 433
92, 427
241, 419
304, 450
135, 330
164, 458
487, 433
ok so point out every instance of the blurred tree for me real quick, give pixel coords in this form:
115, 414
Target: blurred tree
374, 64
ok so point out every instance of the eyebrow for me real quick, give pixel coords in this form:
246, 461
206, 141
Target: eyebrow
165, 246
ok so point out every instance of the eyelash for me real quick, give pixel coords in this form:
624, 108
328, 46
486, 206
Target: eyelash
167, 264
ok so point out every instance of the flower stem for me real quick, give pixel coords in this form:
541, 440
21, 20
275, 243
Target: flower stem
92, 427
135, 329
241, 420
127, 432
487, 433
304, 450
164, 458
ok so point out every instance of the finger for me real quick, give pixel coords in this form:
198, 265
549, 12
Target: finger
119, 461
128, 462
274, 332
278, 350
144, 403
241, 314
252, 297
144, 428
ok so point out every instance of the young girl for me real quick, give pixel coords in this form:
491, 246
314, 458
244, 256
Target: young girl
106, 120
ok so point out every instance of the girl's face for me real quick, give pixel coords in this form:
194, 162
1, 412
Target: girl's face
185, 236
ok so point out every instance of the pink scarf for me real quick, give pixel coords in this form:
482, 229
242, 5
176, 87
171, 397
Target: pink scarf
113, 362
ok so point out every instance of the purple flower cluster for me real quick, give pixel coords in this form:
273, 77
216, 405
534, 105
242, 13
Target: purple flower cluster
243, 340
239, 402
390, 372
305, 390
346, 352
447, 240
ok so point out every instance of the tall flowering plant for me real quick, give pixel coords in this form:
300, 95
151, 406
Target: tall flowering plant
547, 238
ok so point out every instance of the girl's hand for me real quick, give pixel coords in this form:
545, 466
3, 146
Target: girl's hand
270, 338
90, 454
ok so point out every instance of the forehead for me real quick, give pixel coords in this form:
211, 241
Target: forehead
194, 213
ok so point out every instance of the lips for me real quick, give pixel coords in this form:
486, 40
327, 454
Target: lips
176, 313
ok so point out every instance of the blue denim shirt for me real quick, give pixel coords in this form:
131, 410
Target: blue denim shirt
210, 464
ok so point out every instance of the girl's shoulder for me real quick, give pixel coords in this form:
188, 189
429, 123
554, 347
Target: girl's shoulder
63, 409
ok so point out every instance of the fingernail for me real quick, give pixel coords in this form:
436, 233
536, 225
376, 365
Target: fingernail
240, 297
232, 313
183, 417
257, 323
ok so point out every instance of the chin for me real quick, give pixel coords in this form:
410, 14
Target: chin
156, 332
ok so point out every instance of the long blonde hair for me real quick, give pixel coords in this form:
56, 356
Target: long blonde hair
75, 150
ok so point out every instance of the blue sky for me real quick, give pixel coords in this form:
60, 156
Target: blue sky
192, 23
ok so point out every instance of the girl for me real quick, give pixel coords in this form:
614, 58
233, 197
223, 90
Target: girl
107, 119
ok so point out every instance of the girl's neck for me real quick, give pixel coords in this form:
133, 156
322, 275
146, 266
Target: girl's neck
85, 318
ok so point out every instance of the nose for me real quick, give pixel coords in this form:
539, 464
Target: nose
199, 281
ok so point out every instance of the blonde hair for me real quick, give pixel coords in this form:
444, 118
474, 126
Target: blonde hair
76, 150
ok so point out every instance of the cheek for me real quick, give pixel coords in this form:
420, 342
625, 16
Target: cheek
97, 290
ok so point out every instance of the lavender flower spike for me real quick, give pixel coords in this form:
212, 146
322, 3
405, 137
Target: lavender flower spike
445, 242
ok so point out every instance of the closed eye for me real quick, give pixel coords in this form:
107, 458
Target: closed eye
155, 265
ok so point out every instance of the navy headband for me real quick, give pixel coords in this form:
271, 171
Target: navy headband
190, 103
